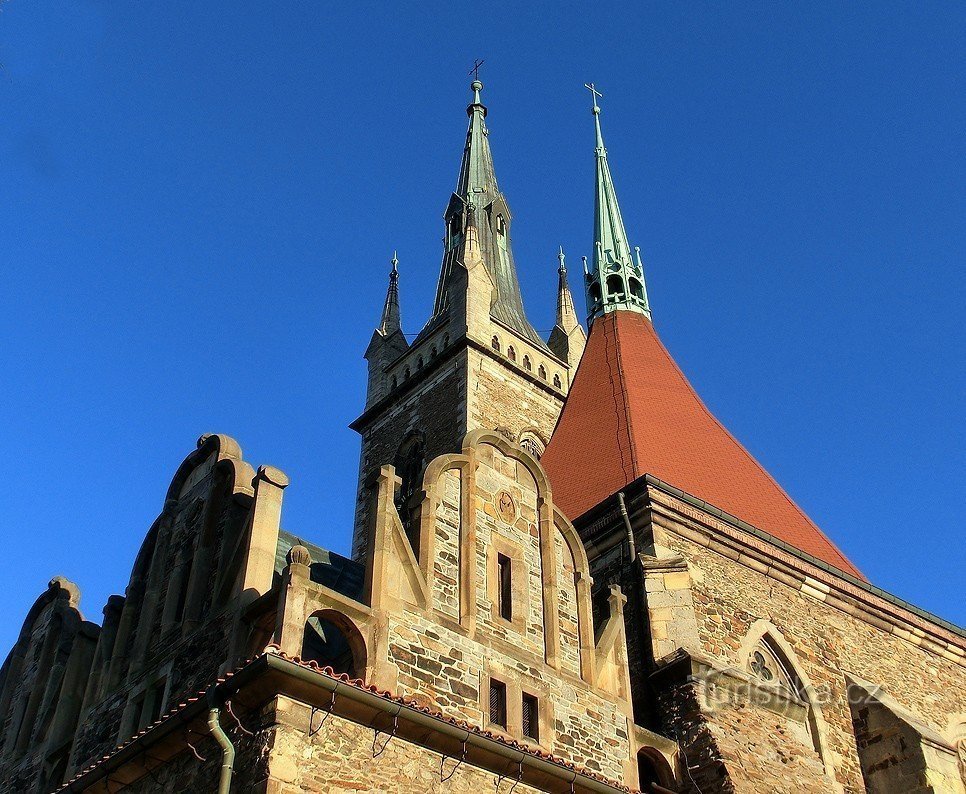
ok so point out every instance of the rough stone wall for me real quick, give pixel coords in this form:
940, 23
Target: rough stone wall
729, 598
503, 398
339, 759
435, 408
441, 662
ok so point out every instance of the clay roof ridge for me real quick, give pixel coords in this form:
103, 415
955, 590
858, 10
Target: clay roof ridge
752, 458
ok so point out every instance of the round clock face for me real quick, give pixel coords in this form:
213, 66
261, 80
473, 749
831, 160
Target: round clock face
506, 507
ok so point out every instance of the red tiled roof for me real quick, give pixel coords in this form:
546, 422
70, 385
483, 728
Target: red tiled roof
632, 412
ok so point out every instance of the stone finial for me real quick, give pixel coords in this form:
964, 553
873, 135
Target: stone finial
299, 555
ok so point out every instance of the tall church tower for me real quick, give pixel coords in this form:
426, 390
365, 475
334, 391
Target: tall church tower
478, 363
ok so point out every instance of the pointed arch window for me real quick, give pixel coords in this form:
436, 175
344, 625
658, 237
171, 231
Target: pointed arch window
410, 463
556, 382
542, 372
511, 353
495, 343
500, 225
769, 662
526, 364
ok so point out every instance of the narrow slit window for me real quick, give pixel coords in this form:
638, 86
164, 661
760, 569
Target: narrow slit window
504, 587
531, 717
498, 703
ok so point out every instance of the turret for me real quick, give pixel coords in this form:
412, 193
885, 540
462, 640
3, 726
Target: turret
388, 341
567, 339
616, 279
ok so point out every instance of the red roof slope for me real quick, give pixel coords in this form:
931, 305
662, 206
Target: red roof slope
632, 412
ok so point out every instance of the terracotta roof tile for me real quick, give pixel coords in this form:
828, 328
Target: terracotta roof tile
632, 412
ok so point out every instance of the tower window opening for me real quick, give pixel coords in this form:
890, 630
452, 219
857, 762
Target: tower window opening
504, 586
595, 293
542, 372
526, 364
419, 363
495, 343
395, 381
615, 288
500, 225
646, 772
498, 703
511, 353
530, 714
556, 382
408, 373
637, 290
455, 231
410, 465
434, 352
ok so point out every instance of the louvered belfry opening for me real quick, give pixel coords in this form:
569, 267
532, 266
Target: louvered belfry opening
531, 717
498, 703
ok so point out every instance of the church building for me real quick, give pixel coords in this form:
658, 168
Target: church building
566, 576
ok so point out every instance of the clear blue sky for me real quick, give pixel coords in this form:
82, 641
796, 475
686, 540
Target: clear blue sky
199, 202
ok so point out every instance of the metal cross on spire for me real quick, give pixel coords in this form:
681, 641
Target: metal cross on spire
475, 71
595, 93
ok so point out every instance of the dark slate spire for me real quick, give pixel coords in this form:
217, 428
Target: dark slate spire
388, 340
478, 193
390, 322
567, 339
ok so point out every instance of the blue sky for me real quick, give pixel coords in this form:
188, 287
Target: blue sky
200, 201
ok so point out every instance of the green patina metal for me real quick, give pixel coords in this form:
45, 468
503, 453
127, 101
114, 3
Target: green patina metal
616, 279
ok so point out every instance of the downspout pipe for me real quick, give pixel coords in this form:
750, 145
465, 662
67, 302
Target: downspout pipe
631, 546
227, 748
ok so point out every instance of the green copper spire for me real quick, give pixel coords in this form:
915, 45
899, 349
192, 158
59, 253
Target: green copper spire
616, 279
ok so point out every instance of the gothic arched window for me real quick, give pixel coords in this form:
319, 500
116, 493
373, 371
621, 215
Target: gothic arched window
556, 382
526, 364
410, 464
495, 343
511, 353
542, 372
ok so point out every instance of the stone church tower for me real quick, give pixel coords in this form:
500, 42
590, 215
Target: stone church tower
477, 363
566, 576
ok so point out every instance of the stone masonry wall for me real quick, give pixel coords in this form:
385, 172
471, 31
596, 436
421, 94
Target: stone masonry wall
729, 598
441, 663
339, 759
501, 398
435, 409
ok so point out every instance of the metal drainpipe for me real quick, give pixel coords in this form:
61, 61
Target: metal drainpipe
227, 748
632, 547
